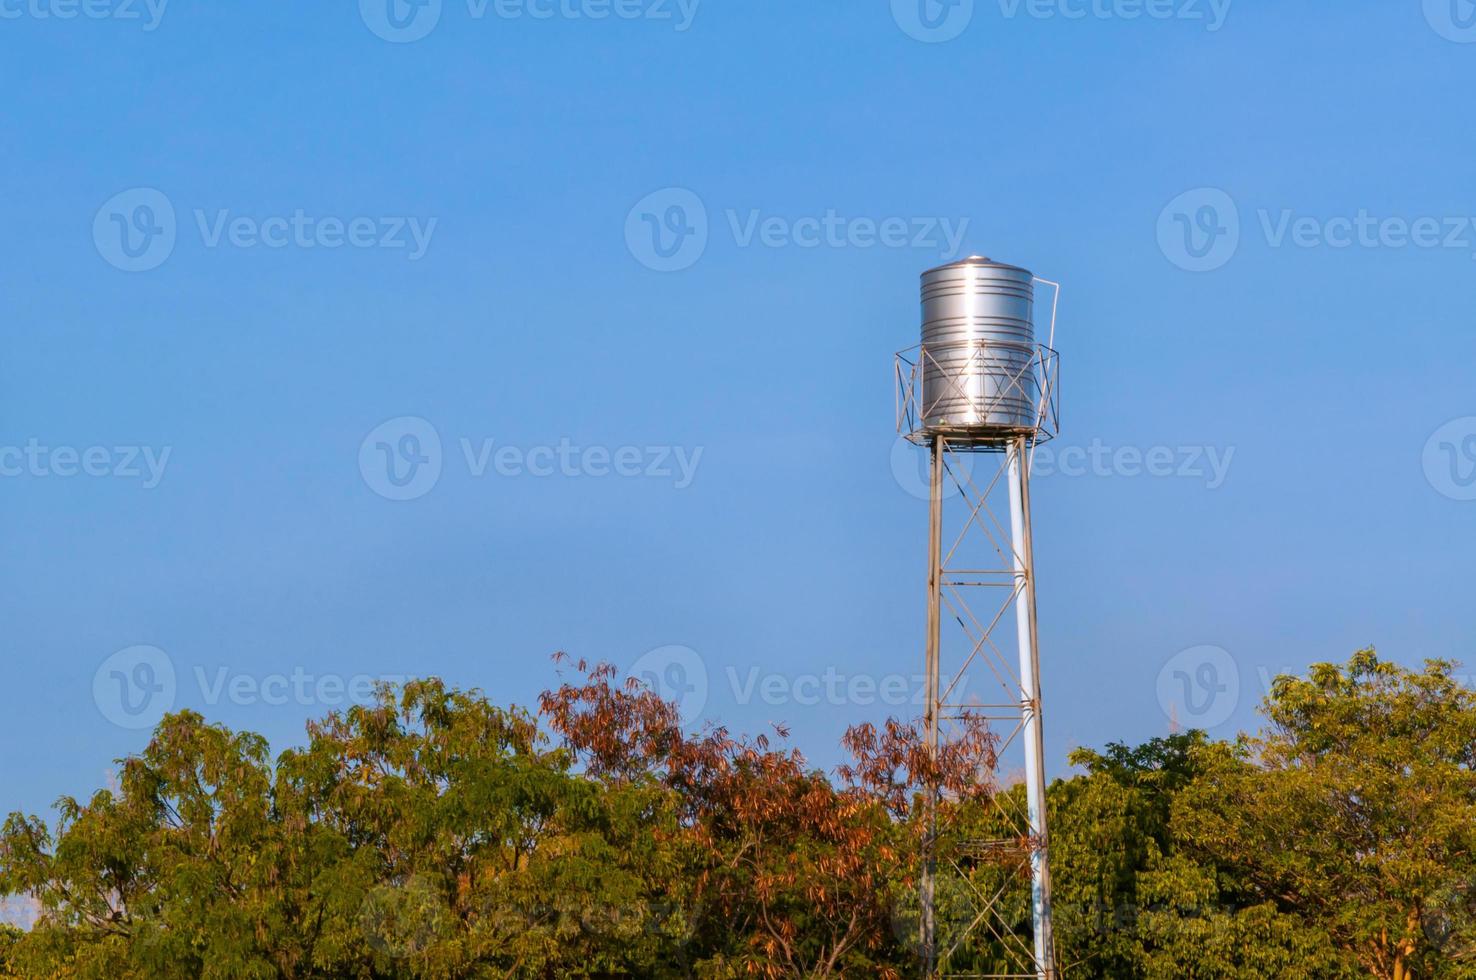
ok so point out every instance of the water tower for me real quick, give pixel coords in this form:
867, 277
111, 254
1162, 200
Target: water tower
980, 393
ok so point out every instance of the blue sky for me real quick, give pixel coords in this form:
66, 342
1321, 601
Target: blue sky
332, 226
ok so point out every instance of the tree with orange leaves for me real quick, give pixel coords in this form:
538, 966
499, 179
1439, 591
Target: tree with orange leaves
790, 875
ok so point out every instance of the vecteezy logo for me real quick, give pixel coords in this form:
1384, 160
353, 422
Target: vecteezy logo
1454, 20
1199, 687
933, 21
675, 673
404, 919
135, 229
912, 469
401, 458
667, 229
1445, 913
134, 687
401, 21
1199, 230
1450, 459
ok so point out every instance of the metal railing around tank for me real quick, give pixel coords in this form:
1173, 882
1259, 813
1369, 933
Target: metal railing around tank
1017, 396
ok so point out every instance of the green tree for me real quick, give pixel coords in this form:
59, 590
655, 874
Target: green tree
1146, 907
1354, 810
433, 835
430, 836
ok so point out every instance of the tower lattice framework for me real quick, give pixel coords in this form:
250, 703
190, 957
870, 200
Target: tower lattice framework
985, 885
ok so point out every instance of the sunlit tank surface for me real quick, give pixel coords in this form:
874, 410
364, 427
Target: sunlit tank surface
978, 337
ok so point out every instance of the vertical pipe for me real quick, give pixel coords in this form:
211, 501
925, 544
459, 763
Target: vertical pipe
1040, 870
926, 898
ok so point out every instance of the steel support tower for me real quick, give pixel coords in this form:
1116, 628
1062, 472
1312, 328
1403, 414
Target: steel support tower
980, 405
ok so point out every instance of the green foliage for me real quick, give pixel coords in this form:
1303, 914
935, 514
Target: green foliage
1356, 808
1336, 844
434, 835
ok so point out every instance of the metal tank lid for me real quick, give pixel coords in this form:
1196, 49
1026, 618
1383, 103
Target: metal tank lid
974, 261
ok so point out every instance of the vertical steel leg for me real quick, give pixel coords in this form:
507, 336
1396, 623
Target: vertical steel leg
1040, 873
926, 898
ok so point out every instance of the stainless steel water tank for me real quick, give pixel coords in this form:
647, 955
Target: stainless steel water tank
978, 335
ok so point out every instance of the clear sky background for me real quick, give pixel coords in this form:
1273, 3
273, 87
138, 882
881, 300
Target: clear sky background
1337, 371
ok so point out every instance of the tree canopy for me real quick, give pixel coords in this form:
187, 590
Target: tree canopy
434, 834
